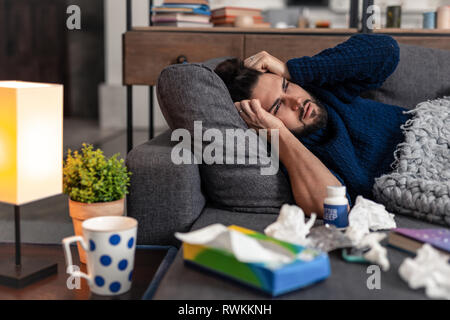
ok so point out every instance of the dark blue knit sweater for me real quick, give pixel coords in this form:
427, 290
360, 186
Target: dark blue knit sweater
361, 135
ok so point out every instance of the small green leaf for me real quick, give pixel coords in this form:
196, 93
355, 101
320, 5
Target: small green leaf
89, 177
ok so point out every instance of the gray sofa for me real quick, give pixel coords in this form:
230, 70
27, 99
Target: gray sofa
166, 198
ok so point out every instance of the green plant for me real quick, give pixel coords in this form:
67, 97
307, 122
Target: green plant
89, 177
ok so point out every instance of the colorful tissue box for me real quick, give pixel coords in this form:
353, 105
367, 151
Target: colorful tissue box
310, 265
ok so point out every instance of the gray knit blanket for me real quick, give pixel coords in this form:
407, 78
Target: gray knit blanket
419, 186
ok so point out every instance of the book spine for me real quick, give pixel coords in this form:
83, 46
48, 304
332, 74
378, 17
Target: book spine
156, 19
157, 10
235, 12
204, 2
182, 5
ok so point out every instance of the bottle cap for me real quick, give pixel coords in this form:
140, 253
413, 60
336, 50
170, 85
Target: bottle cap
336, 191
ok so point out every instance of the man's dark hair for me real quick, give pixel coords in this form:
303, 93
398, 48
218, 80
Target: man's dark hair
239, 79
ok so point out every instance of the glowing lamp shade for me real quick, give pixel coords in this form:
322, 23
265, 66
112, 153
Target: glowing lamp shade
31, 124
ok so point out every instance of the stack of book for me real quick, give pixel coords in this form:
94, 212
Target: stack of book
225, 17
182, 13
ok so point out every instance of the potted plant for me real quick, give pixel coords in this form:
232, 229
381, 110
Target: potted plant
96, 186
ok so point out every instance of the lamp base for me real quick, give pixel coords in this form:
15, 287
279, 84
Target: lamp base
30, 271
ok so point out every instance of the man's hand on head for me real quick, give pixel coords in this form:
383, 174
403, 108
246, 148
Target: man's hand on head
264, 62
256, 117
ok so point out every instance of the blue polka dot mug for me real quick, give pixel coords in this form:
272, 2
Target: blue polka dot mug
110, 243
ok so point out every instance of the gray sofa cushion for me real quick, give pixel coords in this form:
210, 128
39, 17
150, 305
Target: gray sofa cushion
193, 92
422, 74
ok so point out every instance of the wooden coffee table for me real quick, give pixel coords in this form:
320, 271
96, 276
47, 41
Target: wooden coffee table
147, 263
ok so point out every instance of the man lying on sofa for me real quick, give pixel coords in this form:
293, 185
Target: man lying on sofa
329, 135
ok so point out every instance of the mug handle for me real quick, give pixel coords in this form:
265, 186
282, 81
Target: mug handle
68, 255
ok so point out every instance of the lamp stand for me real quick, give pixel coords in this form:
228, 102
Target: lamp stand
24, 270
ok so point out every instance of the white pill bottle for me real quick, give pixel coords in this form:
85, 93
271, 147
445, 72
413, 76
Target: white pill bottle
335, 207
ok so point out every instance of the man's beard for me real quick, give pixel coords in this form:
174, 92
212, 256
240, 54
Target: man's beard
320, 120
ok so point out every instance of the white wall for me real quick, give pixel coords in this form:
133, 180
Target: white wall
112, 94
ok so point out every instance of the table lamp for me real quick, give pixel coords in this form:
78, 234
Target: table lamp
31, 151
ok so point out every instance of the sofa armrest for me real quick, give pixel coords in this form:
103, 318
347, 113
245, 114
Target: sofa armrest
165, 198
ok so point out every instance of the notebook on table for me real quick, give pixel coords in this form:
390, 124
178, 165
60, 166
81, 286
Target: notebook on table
412, 239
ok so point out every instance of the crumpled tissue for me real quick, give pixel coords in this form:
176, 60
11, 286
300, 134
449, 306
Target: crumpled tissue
429, 269
290, 225
244, 248
365, 216
377, 253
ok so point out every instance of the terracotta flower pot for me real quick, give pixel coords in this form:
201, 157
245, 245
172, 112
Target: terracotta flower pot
81, 211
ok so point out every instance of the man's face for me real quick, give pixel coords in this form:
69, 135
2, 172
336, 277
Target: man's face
295, 107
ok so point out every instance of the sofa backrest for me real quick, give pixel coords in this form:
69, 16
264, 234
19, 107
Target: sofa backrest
422, 74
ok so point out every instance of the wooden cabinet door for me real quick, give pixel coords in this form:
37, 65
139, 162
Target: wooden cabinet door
286, 47
435, 42
146, 54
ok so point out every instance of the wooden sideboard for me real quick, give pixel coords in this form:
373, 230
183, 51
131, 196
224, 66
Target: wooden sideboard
148, 50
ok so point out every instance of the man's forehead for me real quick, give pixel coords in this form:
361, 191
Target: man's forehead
267, 89
270, 78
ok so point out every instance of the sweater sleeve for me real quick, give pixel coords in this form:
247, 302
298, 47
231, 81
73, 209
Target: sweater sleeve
361, 63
